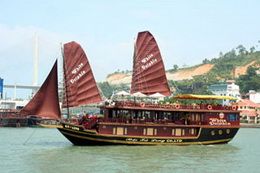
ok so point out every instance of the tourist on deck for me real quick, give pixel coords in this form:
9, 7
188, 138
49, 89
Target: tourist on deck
83, 119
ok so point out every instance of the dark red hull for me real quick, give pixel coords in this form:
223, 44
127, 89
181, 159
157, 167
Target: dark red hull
206, 135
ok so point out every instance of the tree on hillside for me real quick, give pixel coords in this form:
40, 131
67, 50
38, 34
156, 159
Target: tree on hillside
221, 54
241, 49
251, 72
214, 60
249, 81
205, 61
175, 67
252, 49
230, 55
106, 89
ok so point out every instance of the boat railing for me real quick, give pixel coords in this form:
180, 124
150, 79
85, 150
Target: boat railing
173, 106
9, 115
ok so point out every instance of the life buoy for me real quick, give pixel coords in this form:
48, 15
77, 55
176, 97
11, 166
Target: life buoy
177, 106
209, 107
142, 104
234, 107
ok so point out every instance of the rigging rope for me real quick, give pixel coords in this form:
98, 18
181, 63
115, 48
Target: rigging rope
34, 129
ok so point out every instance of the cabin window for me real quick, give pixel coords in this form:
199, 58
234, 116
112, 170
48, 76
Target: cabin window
114, 113
122, 114
193, 117
232, 117
167, 115
183, 132
177, 116
211, 113
120, 131
150, 131
192, 131
147, 114
178, 132
125, 131
155, 131
197, 117
110, 114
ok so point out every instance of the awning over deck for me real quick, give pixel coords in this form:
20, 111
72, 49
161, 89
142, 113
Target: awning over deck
203, 97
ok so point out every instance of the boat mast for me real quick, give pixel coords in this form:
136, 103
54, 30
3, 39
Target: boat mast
65, 83
133, 72
36, 60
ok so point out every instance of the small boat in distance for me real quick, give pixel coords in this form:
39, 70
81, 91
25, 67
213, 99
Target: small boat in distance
11, 118
140, 121
42, 110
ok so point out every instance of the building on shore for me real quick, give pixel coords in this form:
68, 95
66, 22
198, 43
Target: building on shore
254, 96
12, 104
250, 111
226, 89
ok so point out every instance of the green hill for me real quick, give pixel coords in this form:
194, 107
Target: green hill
196, 79
230, 65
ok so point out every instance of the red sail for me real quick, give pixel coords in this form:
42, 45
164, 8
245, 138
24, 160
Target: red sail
80, 84
148, 69
45, 102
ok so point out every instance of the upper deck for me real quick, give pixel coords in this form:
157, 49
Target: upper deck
131, 105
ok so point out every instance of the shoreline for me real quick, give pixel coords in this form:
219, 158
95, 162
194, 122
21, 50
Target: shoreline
247, 125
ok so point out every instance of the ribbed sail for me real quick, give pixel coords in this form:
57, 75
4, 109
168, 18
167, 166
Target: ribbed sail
80, 84
148, 69
45, 102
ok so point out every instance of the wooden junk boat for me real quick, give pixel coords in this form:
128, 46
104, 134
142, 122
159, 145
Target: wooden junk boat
137, 122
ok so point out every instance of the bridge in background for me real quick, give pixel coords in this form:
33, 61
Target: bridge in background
33, 88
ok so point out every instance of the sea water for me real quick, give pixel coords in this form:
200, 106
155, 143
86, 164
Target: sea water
39, 150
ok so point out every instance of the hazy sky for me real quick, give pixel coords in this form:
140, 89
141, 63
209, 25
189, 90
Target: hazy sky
187, 32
